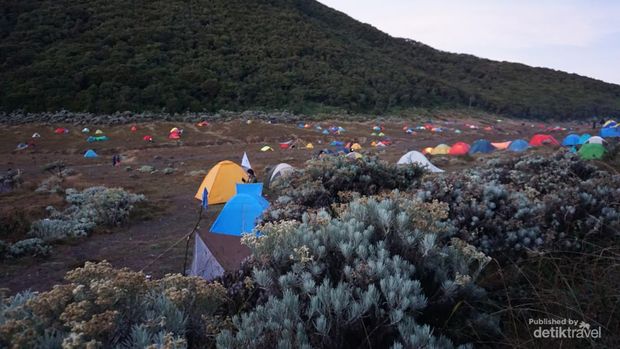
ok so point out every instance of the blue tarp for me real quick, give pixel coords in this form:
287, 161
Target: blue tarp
518, 145
571, 140
584, 138
481, 146
239, 215
610, 132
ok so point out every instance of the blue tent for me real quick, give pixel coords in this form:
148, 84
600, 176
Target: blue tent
610, 132
584, 138
239, 215
325, 132
518, 145
336, 143
481, 146
570, 140
90, 154
255, 189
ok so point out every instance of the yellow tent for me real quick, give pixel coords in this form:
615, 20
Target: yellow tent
373, 144
266, 148
309, 146
356, 146
442, 149
427, 150
174, 129
98, 132
501, 145
220, 182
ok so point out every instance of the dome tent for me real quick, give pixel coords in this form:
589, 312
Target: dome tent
481, 146
239, 215
571, 140
542, 139
279, 170
595, 140
90, 154
415, 157
610, 132
459, 148
501, 145
584, 138
441, 149
220, 182
518, 145
591, 151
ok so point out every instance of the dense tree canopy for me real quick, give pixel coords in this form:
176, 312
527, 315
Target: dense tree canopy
102, 56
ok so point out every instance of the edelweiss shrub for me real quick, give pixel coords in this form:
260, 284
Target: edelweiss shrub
111, 308
88, 208
318, 185
29, 247
531, 203
372, 277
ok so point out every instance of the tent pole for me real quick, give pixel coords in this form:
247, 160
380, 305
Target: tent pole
189, 236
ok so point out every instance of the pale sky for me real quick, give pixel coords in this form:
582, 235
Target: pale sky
576, 36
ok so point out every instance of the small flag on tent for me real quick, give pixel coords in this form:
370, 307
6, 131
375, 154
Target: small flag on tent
205, 199
245, 162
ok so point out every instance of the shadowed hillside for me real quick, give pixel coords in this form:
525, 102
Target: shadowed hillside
102, 56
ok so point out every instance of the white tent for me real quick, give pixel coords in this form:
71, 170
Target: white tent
415, 157
281, 170
85, 130
278, 171
36, 135
245, 162
595, 140
204, 264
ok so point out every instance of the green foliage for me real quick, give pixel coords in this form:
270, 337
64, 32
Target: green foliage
236, 55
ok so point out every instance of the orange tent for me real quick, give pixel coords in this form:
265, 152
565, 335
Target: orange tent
501, 145
459, 148
541, 139
427, 150
221, 182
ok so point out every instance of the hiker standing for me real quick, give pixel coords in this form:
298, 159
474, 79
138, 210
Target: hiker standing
114, 160
251, 176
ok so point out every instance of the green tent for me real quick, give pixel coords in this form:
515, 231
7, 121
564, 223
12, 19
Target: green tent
591, 151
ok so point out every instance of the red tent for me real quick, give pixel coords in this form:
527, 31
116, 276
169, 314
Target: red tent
285, 145
148, 138
60, 131
174, 135
134, 128
459, 148
203, 123
540, 139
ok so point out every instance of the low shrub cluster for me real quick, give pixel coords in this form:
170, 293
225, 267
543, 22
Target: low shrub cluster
10, 180
104, 307
92, 207
385, 272
532, 203
336, 179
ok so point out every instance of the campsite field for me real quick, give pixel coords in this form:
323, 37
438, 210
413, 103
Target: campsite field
153, 240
